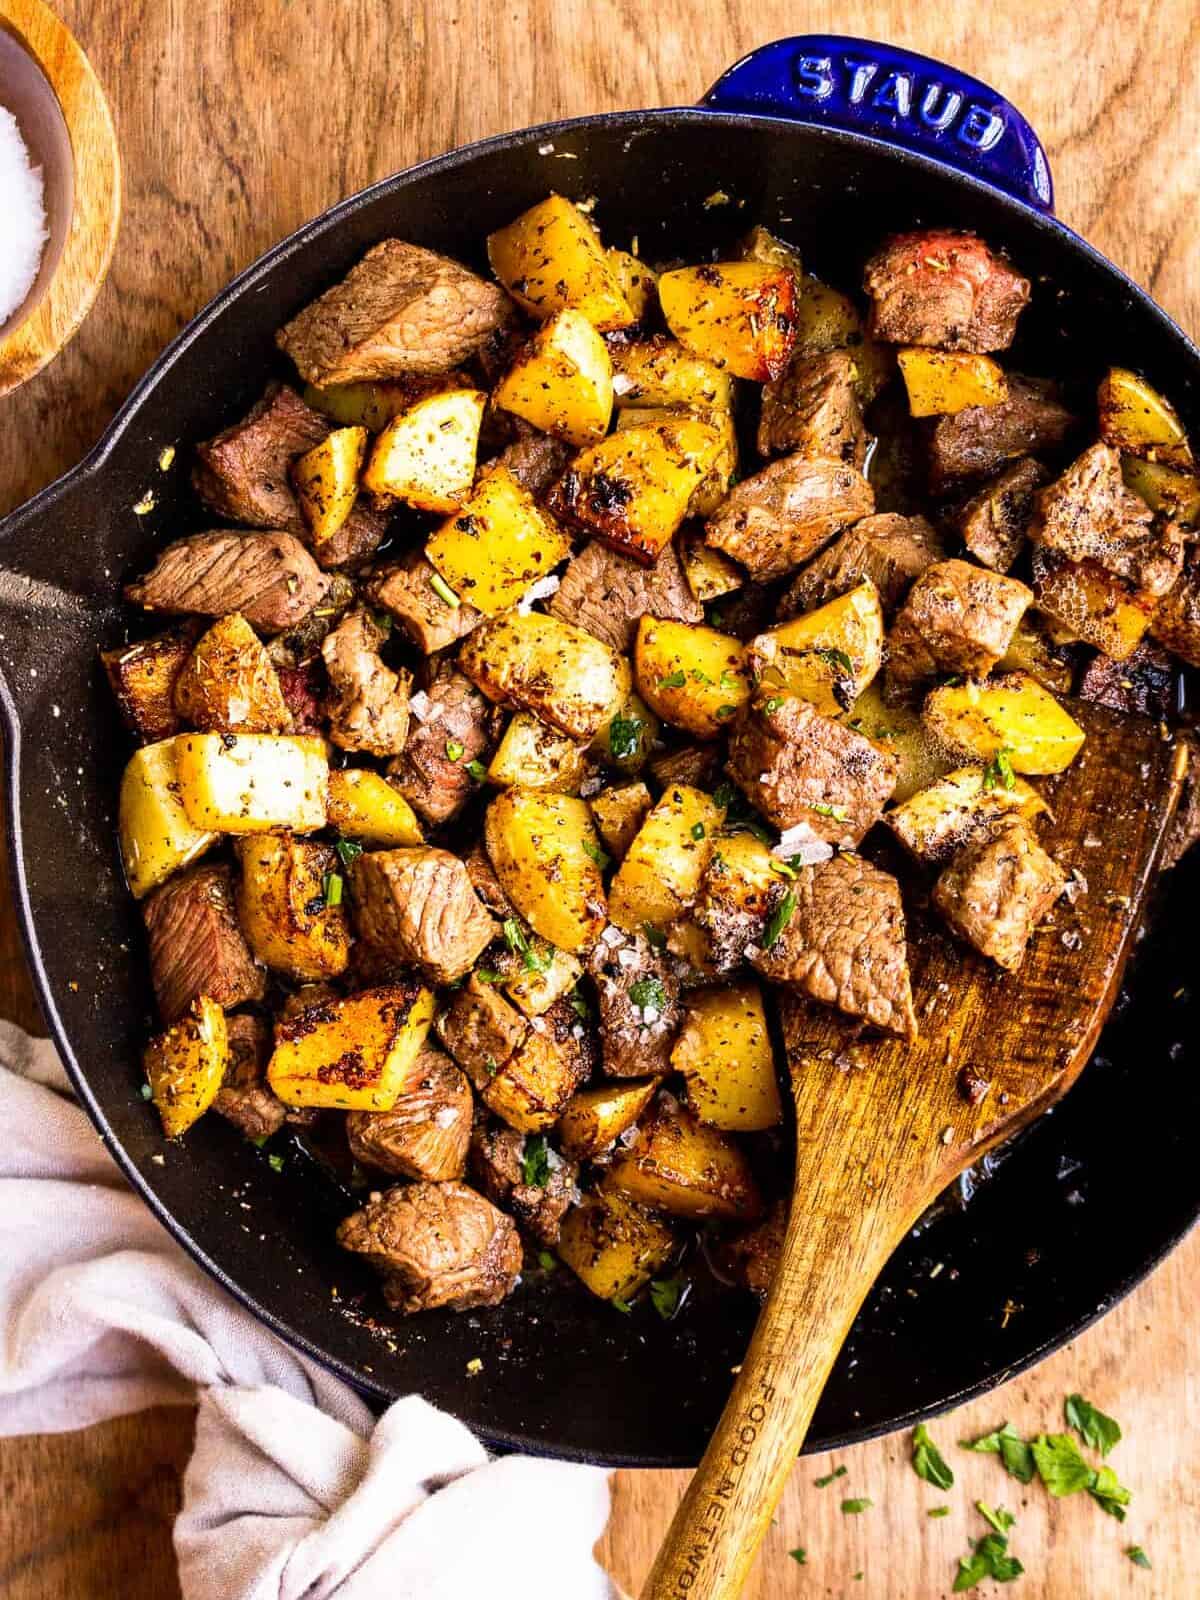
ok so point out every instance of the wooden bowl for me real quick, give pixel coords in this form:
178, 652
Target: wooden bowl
48, 84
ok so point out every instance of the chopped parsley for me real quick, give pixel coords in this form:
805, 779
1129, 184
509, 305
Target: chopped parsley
673, 680
830, 1477
443, 590
489, 975
147, 1092
275, 1161
514, 937
454, 750
779, 919
668, 1294
655, 937
1109, 1494
1138, 1556
998, 773
838, 660
625, 737
784, 868
928, 1461
600, 857
838, 813
729, 680
725, 712
1060, 1466
332, 888
1008, 1444
999, 1519
535, 1161
773, 704
491, 1066
546, 1261
579, 1005
700, 677
1094, 1428
648, 994
477, 770
852, 1507
799, 1555
938, 1511
348, 850
697, 830
989, 1559
620, 1305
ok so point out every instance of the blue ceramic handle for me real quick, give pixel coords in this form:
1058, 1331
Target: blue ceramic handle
895, 95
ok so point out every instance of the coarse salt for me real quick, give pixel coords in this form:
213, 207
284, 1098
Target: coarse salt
23, 207
420, 705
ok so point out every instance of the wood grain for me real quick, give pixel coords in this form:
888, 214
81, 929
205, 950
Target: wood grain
237, 122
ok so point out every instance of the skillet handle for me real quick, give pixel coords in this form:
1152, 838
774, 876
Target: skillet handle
904, 99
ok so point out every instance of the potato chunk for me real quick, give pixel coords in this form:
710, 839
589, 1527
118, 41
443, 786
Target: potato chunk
829, 655
326, 481
228, 684
1134, 417
536, 757
1176, 494
716, 483
724, 1053
157, 835
614, 1247
709, 573
1091, 604
739, 315
637, 282
628, 738
900, 732
143, 677
681, 1165
619, 813
546, 853
942, 382
363, 805
658, 879
185, 1065
1011, 713
369, 404
551, 259
531, 1089
660, 372
562, 674
690, 675
562, 383
937, 821
284, 906
426, 455
356, 1054
596, 1117
252, 783
499, 544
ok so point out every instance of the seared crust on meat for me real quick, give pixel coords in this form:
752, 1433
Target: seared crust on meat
979, 439
269, 577
404, 589
958, 618
1142, 685
435, 786
813, 410
197, 945
606, 593
639, 1007
945, 289
245, 1098
368, 703
994, 521
481, 1030
996, 891
426, 1132
536, 460
498, 1167
418, 905
1176, 622
888, 549
773, 521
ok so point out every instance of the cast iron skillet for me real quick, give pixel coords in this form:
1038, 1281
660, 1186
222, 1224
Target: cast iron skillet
824, 140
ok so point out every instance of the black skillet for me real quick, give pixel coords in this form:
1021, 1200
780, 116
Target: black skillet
833, 143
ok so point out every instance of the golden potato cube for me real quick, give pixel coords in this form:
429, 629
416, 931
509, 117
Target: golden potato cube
355, 1054
614, 1247
682, 1165
637, 282
724, 1053
563, 674
229, 684
253, 782
690, 675
619, 813
551, 259
827, 320
660, 372
1032, 650
739, 315
368, 404
426, 455
562, 382
1012, 713
935, 822
185, 1065
716, 483
941, 382
143, 677
595, 1118
1176, 494
1090, 603
157, 836
626, 740
498, 545
537, 757
659, 877
901, 731
363, 805
546, 853
326, 481
292, 922
737, 893
1134, 417
534, 992
829, 655
709, 573
531, 1089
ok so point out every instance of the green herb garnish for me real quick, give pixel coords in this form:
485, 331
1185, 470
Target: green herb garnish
655, 937
535, 1162
1138, 1556
1060, 1466
673, 680
348, 851
600, 857
999, 1519
477, 770
275, 1161
666, 1295
443, 590
823, 1483
1008, 1444
779, 919
773, 704
998, 773
783, 868
928, 1461
1096, 1430
546, 1261
799, 1555
938, 1511
514, 937
648, 994
697, 830
332, 888
454, 750
725, 712
838, 660
853, 1507
625, 737
489, 975
491, 1066
1109, 1494
579, 1006
990, 1559
620, 1305
838, 813
147, 1092
700, 677
729, 680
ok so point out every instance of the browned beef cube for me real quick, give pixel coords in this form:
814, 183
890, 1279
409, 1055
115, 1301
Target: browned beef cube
1177, 620
196, 943
367, 705
994, 522
890, 550
1089, 515
996, 891
406, 591
692, 764
452, 713
773, 521
751, 1257
481, 1030
813, 410
1142, 685
485, 882
980, 439
245, 1098
958, 618
844, 942
798, 766
946, 289
418, 905
580, 1044
639, 1007
143, 676
269, 577
606, 593
524, 1175
745, 612
427, 1132
436, 1244
536, 460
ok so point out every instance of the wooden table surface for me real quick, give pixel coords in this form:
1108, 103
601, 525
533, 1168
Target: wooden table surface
238, 120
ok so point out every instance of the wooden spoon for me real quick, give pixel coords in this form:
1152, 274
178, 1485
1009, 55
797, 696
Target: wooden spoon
882, 1126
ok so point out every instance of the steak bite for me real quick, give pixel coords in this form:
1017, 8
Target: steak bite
1177, 620
524, 1175
427, 1132
245, 1098
798, 766
773, 521
402, 309
405, 590
995, 892
691, 764
436, 1244
1089, 515
639, 1007
367, 703
844, 943
945, 289
958, 618
606, 593
1141, 685
995, 521
979, 439
418, 905
452, 713
481, 1030
269, 577
197, 945
890, 550
813, 410
536, 460
751, 1257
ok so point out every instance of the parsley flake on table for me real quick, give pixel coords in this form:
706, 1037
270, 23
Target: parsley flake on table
535, 1161
1138, 1556
1008, 1444
823, 1483
800, 1556
1109, 1494
852, 1507
1094, 1428
928, 1461
938, 1511
989, 1559
1060, 1466
999, 1519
